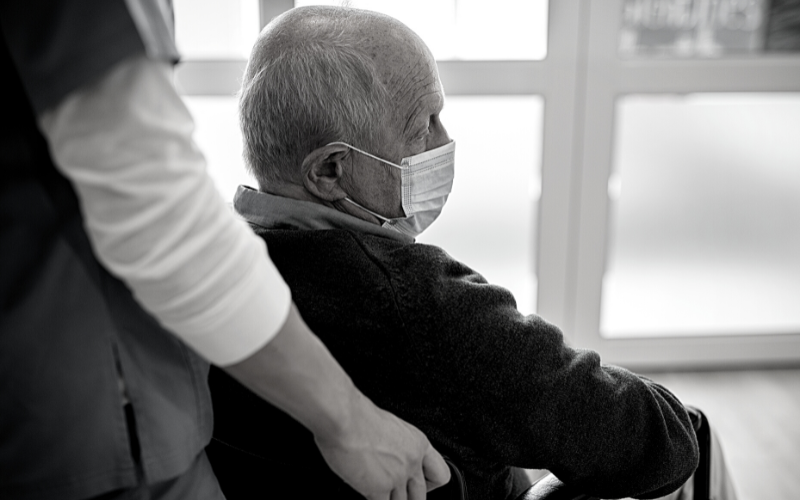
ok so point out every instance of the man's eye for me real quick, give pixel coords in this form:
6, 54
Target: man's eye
425, 133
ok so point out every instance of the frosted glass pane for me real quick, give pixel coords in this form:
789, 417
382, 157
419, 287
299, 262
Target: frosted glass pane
468, 29
216, 29
489, 222
705, 216
217, 133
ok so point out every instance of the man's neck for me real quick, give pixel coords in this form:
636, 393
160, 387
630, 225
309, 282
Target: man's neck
293, 191
298, 192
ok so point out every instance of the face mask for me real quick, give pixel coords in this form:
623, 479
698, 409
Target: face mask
427, 179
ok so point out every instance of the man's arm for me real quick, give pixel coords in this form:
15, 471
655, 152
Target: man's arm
156, 221
528, 399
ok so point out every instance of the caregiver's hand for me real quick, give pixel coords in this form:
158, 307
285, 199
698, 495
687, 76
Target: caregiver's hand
379, 455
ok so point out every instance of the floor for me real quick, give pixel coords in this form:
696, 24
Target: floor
757, 416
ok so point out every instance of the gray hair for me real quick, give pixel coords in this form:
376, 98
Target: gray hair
302, 92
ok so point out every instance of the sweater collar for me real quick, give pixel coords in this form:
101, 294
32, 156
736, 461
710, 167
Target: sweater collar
272, 212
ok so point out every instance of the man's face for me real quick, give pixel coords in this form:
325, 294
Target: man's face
409, 72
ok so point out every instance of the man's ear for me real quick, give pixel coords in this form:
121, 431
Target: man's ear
322, 172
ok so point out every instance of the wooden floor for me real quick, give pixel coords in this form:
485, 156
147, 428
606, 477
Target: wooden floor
757, 416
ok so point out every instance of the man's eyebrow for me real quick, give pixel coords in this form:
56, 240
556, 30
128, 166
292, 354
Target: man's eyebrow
422, 109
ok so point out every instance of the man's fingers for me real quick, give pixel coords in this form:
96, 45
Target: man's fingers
417, 488
435, 469
385, 458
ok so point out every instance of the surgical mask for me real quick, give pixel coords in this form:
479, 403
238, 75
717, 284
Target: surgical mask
427, 179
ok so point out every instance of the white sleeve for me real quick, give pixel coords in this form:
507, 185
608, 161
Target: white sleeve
155, 218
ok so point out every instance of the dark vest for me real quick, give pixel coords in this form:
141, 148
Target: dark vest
69, 332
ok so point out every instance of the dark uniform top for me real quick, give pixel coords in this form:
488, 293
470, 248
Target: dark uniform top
69, 330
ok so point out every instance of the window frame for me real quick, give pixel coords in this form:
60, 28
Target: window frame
608, 77
580, 80
554, 78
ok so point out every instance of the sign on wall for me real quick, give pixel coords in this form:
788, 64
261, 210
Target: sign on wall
692, 28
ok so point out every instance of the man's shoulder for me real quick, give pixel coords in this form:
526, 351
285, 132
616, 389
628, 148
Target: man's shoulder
335, 244
345, 244
327, 236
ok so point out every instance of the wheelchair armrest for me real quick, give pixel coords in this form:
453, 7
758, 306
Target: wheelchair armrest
456, 489
551, 488
702, 476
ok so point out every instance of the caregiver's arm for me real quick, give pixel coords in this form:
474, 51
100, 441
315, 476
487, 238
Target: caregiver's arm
156, 221
357, 439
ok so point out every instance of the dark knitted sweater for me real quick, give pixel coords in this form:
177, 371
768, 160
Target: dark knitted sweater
428, 339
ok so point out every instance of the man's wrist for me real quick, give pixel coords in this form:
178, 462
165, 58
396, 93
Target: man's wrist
338, 425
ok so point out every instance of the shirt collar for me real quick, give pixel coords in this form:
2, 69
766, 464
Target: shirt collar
272, 212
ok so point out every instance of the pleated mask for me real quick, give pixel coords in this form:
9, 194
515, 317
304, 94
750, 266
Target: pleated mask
427, 179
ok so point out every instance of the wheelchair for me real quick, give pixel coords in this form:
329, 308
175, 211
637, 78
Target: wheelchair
242, 468
551, 488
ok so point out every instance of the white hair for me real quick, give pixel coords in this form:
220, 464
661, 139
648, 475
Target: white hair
302, 92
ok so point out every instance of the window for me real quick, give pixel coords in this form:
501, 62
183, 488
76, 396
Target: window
213, 29
704, 216
685, 240
644, 166
693, 28
490, 219
467, 29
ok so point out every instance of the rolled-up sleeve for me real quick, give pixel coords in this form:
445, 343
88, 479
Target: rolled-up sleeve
155, 218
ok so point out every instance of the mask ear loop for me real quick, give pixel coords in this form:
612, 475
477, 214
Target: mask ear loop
387, 223
367, 154
381, 217
386, 220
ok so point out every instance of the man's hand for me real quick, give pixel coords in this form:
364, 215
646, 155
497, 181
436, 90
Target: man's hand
379, 455
383, 457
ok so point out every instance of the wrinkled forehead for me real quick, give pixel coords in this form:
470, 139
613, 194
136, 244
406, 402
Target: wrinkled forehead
405, 65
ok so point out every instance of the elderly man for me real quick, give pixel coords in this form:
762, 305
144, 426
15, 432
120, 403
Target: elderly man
340, 114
